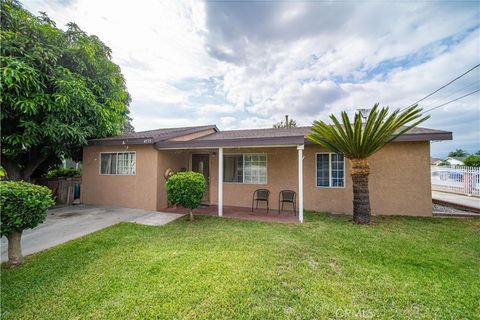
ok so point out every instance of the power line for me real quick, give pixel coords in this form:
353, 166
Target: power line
444, 86
451, 94
444, 104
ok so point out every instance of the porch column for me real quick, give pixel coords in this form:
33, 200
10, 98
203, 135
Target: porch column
220, 182
300, 182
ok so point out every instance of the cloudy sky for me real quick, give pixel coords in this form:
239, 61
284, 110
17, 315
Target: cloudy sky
247, 64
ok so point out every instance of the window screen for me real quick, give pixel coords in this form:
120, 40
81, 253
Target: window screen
245, 168
117, 163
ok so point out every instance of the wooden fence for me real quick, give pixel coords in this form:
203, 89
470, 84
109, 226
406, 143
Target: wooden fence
65, 190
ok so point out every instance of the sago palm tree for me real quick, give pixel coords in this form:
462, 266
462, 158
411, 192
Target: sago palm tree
360, 140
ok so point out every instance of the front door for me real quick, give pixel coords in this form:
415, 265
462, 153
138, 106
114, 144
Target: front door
201, 164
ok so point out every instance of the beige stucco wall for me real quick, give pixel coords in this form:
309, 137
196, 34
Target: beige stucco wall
281, 175
174, 160
138, 191
399, 180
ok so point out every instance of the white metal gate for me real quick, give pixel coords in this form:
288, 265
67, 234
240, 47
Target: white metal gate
456, 179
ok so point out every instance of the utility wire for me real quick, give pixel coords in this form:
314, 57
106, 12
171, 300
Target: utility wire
444, 86
451, 94
456, 99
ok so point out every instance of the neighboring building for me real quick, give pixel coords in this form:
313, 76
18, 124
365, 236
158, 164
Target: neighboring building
129, 171
455, 161
435, 161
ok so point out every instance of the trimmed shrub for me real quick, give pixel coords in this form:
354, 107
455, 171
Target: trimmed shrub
186, 189
24, 206
63, 172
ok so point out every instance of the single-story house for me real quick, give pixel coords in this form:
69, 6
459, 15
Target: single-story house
131, 170
435, 161
456, 161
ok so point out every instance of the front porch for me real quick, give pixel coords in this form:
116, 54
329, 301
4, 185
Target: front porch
234, 174
242, 213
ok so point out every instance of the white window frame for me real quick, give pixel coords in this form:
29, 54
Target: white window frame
116, 174
243, 171
329, 172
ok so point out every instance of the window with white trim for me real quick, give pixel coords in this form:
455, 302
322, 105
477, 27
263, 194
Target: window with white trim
118, 163
330, 170
245, 168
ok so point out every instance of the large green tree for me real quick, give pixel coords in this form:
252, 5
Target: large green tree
472, 160
458, 153
360, 140
58, 89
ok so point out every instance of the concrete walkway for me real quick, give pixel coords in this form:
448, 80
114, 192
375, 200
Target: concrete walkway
68, 223
461, 201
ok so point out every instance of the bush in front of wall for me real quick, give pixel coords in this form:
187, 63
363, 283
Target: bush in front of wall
186, 189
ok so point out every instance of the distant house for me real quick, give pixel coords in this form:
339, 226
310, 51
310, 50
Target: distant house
131, 170
435, 161
456, 161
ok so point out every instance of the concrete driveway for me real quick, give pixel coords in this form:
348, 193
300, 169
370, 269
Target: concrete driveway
68, 223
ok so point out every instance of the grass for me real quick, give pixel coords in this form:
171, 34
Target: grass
220, 268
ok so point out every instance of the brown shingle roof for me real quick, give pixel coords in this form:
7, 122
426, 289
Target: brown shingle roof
151, 136
282, 136
258, 133
245, 137
285, 132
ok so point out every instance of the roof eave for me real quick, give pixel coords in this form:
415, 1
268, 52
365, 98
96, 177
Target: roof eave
118, 142
232, 143
185, 133
433, 136
147, 140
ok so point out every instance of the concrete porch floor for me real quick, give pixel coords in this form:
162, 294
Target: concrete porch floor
243, 213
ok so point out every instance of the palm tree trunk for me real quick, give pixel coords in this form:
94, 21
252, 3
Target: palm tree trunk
361, 195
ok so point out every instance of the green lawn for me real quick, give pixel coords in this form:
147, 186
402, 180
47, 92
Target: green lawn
220, 268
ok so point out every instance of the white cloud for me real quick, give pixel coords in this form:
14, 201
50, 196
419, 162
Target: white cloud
249, 64
155, 42
227, 121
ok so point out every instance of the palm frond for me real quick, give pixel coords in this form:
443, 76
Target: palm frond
362, 139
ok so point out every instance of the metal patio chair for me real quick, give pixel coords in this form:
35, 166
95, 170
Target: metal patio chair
261, 195
287, 196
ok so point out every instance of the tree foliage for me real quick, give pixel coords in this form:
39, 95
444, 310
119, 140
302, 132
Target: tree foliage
458, 153
186, 189
58, 89
24, 205
288, 123
472, 160
128, 126
63, 173
360, 140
